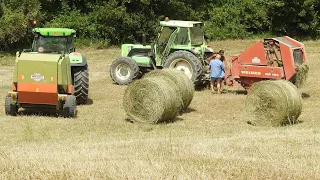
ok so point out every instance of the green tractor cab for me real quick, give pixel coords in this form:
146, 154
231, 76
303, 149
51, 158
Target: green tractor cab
180, 45
50, 75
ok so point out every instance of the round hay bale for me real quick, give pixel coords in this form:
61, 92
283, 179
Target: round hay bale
294, 100
301, 75
184, 84
152, 100
273, 103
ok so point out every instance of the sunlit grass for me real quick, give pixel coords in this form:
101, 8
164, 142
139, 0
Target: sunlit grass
211, 141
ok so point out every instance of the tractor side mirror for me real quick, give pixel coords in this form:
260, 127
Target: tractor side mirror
144, 40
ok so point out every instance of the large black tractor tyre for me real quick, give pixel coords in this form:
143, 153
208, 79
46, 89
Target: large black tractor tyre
70, 107
124, 70
81, 83
187, 62
10, 107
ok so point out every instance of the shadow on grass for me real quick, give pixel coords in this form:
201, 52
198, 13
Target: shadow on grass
89, 102
149, 123
188, 110
44, 113
305, 95
202, 87
289, 123
176, 119
36, 112
239, 92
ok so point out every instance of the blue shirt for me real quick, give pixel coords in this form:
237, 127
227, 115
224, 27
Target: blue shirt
216, 68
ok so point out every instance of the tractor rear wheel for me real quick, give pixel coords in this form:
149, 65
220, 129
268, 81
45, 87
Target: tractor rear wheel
187, 62
70, 107
124, 70
81, 83
10, 107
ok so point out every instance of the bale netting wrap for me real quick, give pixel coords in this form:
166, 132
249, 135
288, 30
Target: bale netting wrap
152, 100
301, 75
273, 103
184, 84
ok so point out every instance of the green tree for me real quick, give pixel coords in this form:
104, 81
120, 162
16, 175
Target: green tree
297, 17
15, 18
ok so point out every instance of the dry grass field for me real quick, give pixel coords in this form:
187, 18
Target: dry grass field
211, 141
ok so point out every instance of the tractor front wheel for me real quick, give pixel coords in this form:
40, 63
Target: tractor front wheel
81, 83
124, 70
10, 107
70, 107
186, 62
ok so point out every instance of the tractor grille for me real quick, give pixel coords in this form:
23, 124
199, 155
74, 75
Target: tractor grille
297, 55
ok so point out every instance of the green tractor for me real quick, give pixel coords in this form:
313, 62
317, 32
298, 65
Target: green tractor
50, 75
61, 41
180, 45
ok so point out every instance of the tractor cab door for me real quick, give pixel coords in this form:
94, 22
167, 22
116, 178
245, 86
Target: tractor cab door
165, 40
182, 37
70, 43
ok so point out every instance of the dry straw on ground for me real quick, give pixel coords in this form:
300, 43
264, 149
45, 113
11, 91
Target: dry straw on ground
152, 100
185, 85
301, 75
273, 103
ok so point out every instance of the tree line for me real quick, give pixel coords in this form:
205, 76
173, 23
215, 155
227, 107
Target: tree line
119, 21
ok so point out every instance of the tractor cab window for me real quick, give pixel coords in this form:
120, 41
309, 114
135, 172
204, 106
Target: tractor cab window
182, 37
50, 44
164, 37
196, 34
70, 44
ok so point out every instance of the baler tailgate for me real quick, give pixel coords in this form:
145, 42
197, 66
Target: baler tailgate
37, 93
37, 79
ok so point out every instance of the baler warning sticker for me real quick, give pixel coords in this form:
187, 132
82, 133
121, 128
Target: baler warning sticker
256, 60
37, 77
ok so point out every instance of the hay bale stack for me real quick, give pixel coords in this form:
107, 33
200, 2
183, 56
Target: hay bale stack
273, 103
152, 100
301, 75
185, 85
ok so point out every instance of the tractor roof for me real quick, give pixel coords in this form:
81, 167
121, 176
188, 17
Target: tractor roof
54, 31
178, 23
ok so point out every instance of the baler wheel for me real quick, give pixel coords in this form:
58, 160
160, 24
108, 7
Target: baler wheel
10, 108
81, 83
70, 107
124, 70
187, 62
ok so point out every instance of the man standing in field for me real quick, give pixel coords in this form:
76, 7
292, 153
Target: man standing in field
216, 69
221, 52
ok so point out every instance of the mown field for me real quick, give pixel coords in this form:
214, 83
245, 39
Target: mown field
211, 141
